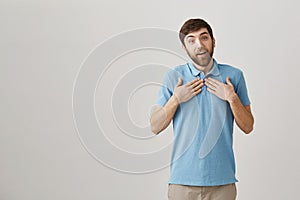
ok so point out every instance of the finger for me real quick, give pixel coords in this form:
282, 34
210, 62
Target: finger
179, 83
211, 85
197, 83
193, 81
228, 81
211, 91
198, 87
213, 81
197, 92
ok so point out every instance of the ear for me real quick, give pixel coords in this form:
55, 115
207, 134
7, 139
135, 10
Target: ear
184, 48
214, 42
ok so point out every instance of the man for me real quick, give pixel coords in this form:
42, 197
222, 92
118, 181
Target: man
203, 98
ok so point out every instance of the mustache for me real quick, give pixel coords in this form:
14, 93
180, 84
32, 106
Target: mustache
201, 51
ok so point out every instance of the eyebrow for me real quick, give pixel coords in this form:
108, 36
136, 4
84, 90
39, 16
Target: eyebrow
203, 33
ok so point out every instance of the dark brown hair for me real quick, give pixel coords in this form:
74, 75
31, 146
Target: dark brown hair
192, 25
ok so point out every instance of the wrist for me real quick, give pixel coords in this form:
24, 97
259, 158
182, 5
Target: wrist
175, 99
233, 98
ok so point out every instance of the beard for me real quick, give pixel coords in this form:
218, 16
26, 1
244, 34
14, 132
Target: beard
202, 60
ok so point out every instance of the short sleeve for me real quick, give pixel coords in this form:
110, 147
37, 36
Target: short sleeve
241, 91
165, 91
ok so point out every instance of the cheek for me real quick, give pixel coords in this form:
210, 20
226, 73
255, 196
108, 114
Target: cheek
190, 49
209, 46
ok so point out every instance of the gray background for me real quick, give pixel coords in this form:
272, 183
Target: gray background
43, 44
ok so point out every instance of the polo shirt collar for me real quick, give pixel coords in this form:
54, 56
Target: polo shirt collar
213, 72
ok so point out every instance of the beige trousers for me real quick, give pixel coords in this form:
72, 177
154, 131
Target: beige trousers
186, 192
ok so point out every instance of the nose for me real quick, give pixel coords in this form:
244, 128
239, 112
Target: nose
198, 43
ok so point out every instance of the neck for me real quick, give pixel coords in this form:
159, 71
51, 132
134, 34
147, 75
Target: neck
205, 69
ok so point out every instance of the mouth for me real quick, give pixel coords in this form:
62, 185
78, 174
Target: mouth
201, 53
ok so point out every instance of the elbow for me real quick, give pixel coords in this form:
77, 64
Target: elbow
154, 128
158, 121
247, 130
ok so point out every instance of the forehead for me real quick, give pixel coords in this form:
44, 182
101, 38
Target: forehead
197, 33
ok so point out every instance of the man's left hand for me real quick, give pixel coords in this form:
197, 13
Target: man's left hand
221, 90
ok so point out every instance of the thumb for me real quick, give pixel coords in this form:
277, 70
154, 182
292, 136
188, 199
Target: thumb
179, 83
228, 81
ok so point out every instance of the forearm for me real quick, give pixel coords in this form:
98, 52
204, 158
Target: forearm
242, 115
162, 116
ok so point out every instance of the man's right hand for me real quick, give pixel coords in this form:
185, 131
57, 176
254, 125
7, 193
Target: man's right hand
185, 92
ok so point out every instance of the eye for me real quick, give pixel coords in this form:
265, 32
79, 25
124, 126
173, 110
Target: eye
191, 41
204, 37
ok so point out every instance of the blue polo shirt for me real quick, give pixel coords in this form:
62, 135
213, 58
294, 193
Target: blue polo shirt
203, 127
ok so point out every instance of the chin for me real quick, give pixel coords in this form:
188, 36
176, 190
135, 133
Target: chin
204, 63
